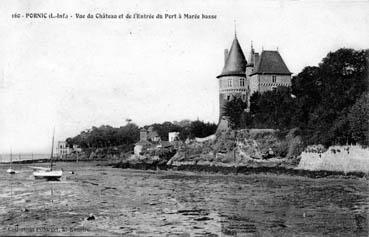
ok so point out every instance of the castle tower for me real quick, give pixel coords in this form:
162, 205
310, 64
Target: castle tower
232, 80
269, 72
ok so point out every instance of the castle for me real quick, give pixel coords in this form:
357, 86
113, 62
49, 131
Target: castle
241, 77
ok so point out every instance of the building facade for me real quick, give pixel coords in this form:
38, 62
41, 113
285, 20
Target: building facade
62, 149
148, 139
241, 78
268, 72
173, 136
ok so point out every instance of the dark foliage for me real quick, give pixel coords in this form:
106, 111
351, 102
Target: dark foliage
106, 136
201, 129
234, 109
358, 119
122, 139
273, 109
187, 129
326, 102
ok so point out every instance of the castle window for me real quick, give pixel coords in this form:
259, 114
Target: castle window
228, 97
274, 78
242, 82
229, 82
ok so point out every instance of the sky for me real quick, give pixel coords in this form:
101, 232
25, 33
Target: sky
73, 74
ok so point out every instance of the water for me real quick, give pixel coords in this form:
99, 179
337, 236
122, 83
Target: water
156, 203
22, 156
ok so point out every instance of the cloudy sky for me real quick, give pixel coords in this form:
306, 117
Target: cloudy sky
74, 74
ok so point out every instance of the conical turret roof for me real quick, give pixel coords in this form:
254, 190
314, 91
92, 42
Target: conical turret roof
235, 64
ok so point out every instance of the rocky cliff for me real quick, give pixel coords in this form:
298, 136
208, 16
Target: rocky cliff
247, 147
247, 151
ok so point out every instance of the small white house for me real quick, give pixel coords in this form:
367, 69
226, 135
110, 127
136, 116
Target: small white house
141, 146
62, 149
173, 136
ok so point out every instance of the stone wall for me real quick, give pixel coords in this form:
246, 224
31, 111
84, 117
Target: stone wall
336, 158
262, 83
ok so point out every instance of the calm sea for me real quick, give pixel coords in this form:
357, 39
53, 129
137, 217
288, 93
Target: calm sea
22, 156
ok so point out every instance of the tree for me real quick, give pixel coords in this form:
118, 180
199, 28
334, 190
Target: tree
342, 79
358, 119
273, 109
307, 87
233, 109
323, 101
106, 136
201, 129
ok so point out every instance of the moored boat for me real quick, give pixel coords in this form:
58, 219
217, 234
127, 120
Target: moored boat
48, 173
11, 170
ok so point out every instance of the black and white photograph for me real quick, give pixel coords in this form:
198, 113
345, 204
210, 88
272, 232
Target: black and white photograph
184, 118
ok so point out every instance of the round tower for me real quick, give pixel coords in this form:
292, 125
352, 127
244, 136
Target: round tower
232, 81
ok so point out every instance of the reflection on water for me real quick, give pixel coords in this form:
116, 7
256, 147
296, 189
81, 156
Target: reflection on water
157, 203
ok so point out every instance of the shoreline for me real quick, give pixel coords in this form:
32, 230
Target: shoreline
246, 170
197, 168
47, 160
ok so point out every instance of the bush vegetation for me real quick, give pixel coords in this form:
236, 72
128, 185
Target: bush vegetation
328, 103
124, 137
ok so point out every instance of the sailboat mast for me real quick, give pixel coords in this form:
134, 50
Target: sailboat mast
52, 151
11, 158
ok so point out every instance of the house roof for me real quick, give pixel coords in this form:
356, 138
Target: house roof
235, 64
271, 62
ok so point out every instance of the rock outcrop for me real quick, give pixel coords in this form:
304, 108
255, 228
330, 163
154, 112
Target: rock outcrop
247, 147
243, 151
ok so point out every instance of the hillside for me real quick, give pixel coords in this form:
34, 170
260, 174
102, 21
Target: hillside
242, 147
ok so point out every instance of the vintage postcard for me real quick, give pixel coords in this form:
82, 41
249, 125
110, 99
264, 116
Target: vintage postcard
184, 118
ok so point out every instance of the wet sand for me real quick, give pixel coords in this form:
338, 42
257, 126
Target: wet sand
156, 203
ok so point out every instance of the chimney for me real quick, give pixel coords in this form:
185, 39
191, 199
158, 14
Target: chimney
225, 55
